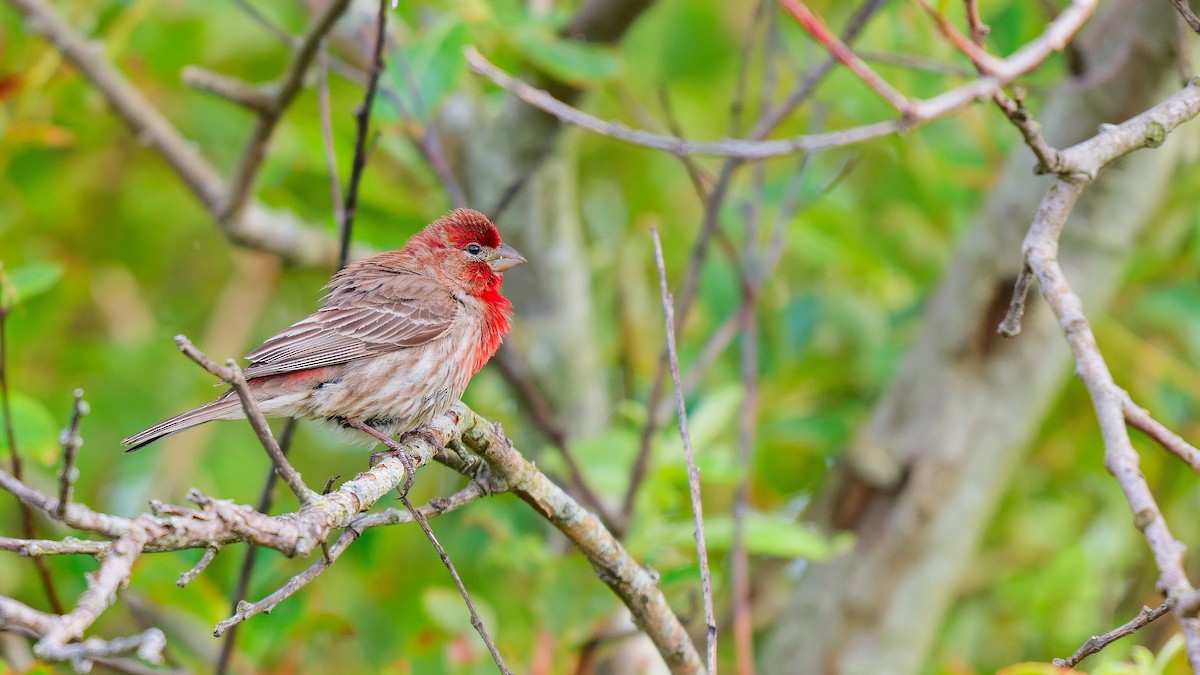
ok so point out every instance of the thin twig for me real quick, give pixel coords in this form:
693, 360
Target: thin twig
285, 90
1140, 419
805, 87
712, 206
71, 442
210, 554
743, 638
979, 29
812, 23
259, 18
231, 374
1011, 325
362, 117
327, 144
245, 610
701, 182
1098, 642
256, 98
1049, 158
476, 620
250, 559
693, 473
28, 527
1188, 15
916, 62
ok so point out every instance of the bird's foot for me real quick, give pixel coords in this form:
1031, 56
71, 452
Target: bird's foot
396, 449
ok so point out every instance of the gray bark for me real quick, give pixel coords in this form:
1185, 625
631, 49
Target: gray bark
922, 478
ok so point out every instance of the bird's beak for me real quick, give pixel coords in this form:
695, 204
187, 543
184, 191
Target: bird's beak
506, 258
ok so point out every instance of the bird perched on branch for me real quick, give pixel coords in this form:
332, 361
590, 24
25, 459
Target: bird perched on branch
394, 343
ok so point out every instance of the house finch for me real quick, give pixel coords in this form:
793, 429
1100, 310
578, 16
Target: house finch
392, 346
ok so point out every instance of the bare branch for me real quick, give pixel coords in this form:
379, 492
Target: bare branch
258, 227
71, 442
693, 473
1049, 158
362, 117
476, 620
820, 32
289, 85
979, 29
304, 494
210, 554
1083, 161
1011, 325
19, 617
231, 374
1111, 404
1140, 419
1188, 15
101, 592
28, 527
353, 531
635, 584
1055, 37
42, 547
1097, 642
257, 98
221, 522
326, 115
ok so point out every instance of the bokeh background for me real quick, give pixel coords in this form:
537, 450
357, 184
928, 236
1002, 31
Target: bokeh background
111, 256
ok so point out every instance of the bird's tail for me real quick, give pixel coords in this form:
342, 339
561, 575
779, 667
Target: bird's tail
224, 408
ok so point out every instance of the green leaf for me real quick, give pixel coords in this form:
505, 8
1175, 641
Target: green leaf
27, 281
767, 535
434, 63
573, 62
711, 418
34, 427
603, 458
445, 608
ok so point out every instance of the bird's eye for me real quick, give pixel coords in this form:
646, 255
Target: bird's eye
473, 249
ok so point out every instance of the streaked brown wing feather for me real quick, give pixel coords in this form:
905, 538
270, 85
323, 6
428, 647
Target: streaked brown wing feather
402, 311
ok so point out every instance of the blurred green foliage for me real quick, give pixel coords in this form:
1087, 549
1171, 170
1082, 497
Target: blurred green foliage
110, 256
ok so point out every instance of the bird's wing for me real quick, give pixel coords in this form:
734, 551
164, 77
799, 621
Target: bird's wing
404, 311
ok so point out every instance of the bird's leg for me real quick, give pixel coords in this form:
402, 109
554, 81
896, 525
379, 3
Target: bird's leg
395, 449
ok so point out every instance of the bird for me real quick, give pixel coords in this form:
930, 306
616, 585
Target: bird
392, 345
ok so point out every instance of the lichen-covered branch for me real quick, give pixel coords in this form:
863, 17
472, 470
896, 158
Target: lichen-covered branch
637, 586
216, 523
